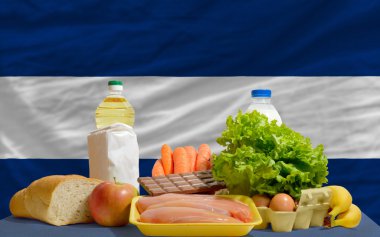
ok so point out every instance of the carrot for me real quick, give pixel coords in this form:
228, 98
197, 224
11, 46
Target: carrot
203, 158
167, 159
181, 162
158, 169
192, 156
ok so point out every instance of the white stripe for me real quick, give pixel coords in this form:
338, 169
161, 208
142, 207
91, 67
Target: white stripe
50, 117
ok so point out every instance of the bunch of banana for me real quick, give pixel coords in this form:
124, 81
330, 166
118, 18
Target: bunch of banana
343, 212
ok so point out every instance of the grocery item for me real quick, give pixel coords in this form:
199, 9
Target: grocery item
197, 229
167, 159
158, 168
181, 161
341, 201
261, 102
203, 158
234, 209
282, 202
261, 200
114, 154
189, 203
350, 218
57, 200
192, 156
184, 215
195, 182
343, 211
311, 211
146, 202
110, 203
115, 108
263, 158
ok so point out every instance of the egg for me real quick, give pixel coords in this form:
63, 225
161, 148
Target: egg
282, 202
261, 200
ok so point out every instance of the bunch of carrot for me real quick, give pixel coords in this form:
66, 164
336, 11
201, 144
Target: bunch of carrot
182, 160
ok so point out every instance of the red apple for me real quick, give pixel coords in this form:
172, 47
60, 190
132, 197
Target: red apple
110, 203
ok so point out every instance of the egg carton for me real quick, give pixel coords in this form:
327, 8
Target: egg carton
311, 211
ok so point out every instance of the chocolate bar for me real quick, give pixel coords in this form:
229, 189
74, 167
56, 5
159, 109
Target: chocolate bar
196, 182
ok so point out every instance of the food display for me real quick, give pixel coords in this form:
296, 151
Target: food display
340, 202
350, 218
110, 203
57, 200
113, 153
196, 182
282, 202
261, 200
343, 211
210, 203
194, 215
115, 108
261, 157
272, 175
183, 160
184, 215
284, 215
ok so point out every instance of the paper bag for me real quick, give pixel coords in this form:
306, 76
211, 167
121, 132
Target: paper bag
114, 154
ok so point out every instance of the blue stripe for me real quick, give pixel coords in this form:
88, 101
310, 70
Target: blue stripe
359, 176
189, 38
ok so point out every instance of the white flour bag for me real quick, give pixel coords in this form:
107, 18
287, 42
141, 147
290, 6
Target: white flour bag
114, 154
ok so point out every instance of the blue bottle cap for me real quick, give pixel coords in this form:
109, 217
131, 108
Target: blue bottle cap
261, 93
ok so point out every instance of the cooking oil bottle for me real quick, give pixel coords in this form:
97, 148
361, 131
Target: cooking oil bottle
115, 108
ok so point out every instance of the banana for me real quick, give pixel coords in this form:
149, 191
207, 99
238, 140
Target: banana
350, 218
341, 201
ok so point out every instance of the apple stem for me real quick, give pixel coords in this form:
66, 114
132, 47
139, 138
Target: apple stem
114, 180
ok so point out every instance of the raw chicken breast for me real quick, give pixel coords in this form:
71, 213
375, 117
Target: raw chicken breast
144, 202
185, 203
184, 215
236, 209
207, 202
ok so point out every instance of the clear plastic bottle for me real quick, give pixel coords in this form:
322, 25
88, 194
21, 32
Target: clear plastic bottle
261, 102
115, 108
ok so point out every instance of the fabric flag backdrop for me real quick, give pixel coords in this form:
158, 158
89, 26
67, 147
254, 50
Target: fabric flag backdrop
187, 66
50, 117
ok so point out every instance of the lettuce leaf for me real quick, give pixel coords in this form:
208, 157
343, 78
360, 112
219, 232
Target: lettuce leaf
261, 157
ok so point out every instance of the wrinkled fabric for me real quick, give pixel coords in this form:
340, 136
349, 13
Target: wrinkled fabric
189, 38
48, 117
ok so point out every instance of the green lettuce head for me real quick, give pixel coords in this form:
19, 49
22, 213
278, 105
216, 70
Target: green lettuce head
261, 157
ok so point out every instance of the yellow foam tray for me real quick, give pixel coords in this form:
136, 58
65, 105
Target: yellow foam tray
197, 229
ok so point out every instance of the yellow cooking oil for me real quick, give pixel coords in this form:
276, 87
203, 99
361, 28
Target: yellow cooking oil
115, 108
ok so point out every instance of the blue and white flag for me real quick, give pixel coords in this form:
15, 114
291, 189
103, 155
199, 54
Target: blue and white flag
186, 66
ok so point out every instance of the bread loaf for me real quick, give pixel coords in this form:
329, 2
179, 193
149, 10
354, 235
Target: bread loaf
57, 200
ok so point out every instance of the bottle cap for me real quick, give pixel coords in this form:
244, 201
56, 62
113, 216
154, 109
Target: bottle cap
261, 93
113, 83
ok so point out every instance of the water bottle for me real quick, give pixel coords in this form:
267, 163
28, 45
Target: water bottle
115, 108
261, 102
